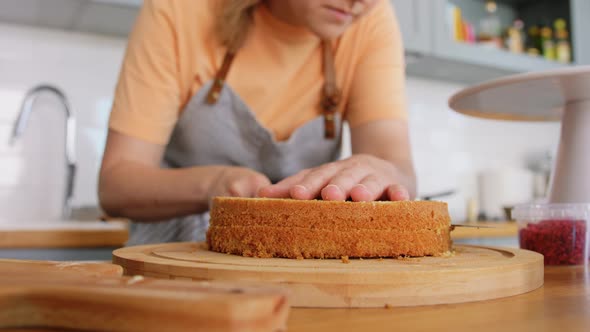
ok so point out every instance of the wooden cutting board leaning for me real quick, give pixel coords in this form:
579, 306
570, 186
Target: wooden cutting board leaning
89, 296
472, 273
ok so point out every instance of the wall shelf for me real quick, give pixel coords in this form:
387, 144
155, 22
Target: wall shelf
432, 53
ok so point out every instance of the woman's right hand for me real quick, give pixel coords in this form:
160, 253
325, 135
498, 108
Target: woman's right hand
237, 182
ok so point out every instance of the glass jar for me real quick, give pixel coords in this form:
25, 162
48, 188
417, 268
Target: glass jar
558, 231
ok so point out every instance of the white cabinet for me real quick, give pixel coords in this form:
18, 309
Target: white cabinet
581, 29
105, 17
414, 17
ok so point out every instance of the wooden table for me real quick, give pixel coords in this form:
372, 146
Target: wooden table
68, 234
562, 304
496, 230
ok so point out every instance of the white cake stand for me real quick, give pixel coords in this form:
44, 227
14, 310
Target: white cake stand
557, 95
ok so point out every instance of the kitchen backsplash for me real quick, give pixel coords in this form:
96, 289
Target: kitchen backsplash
449, 149
85, 67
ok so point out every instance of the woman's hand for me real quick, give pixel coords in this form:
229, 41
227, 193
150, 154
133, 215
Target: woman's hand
361, 177
237, 182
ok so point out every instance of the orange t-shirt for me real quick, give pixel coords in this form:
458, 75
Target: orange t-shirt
173, 52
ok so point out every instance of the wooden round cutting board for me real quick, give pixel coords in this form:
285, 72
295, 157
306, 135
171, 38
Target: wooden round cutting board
472, 274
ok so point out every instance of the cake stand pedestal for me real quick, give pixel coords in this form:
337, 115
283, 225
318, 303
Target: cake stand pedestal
558, 95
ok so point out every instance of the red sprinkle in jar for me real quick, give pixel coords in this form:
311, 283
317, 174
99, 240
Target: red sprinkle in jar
558, 231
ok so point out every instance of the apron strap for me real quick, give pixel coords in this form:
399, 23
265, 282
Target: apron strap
330, 93
215, 91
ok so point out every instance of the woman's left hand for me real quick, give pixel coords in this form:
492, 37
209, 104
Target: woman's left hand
361, 177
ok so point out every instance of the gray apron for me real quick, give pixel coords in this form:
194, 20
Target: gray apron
228, 133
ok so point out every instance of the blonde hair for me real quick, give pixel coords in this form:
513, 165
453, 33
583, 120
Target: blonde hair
233, 22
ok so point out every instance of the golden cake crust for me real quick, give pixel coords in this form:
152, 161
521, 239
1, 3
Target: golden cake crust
262, 227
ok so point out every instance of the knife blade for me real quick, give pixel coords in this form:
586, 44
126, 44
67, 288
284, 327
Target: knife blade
471, 226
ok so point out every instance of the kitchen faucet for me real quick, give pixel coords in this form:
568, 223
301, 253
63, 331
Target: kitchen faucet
70, 137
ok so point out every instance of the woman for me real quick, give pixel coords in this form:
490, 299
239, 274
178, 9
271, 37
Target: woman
246, 98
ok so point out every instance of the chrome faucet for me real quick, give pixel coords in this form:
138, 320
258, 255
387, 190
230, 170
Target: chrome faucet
70, 137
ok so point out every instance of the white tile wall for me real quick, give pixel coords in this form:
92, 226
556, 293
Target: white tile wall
449, 149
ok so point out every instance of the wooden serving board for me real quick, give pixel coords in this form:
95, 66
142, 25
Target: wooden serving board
472, 274
96, 299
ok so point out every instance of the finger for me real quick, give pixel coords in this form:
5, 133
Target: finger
312, 183
369, 189
397, 192
261, 182
339, 187
248, 186
282, 188
332, 193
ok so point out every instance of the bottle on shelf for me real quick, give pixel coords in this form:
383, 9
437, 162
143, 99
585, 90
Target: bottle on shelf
455, 22
534, 41
461, 30
547, 43
563, 52
515, 37
490, 27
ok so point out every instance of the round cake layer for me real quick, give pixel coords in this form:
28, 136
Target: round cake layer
327, 229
